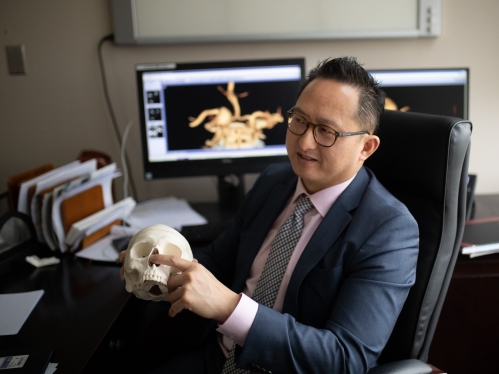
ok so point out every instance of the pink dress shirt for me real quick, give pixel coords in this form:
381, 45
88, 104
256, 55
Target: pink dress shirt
237, 326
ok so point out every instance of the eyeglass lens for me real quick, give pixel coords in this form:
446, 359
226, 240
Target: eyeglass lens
322, 134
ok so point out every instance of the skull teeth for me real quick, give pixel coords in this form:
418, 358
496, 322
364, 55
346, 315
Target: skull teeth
155, 278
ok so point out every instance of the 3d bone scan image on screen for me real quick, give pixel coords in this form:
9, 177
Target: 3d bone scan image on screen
231, 129
148, 281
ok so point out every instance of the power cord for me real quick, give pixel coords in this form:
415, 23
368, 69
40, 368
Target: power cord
124, 156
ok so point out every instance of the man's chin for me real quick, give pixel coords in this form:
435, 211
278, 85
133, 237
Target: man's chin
305, 173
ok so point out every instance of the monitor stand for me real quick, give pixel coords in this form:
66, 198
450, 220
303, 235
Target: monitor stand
230, 191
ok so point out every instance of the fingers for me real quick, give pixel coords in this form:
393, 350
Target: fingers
176, 301
177, 262
175, 281
122, 256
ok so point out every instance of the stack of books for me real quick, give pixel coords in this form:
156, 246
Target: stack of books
71, 206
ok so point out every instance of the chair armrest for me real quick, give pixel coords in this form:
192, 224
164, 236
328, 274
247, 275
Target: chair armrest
410, 366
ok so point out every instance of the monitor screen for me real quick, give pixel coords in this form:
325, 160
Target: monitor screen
432, 91
215, 118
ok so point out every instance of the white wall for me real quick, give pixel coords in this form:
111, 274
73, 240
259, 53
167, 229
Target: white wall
58, 108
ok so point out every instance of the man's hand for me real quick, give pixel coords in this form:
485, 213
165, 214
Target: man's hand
197, 290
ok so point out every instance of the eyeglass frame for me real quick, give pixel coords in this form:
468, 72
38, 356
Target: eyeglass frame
337, 134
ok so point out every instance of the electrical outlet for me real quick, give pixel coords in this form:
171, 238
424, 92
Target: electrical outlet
16, 59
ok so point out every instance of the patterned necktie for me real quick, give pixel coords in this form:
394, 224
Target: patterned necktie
280, 252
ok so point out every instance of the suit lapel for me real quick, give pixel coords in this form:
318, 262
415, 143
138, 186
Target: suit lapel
331, 227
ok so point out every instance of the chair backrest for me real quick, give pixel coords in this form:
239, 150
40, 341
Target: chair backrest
423, 161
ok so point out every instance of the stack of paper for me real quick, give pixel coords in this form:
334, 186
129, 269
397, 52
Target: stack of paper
61, 197
46, 184
481, 237
170, 211
105, 217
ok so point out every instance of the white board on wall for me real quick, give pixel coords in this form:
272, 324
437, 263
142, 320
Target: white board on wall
176, 21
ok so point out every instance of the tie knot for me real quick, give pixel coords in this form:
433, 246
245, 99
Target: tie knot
304, 205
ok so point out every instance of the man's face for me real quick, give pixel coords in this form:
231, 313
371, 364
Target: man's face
327, 102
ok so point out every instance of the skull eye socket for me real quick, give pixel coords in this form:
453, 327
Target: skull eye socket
141, 249
173, 250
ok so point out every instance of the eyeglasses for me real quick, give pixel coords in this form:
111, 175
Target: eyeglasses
323, 135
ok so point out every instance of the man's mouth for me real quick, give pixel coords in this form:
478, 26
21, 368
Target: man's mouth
306, 158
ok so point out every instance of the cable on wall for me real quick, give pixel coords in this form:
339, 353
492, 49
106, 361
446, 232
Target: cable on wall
113, 119
123, 158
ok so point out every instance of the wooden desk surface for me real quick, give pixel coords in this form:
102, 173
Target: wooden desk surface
81, 302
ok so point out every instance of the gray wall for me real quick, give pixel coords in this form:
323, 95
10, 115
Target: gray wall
58, 108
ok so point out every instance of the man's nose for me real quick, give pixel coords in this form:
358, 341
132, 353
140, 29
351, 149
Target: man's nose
307, 140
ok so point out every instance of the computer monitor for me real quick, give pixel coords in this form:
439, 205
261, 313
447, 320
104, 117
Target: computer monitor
432, 91
215, 118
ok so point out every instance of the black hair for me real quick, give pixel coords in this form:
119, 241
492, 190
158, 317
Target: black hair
348, 71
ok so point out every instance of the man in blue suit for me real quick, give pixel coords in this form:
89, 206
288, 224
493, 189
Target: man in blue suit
349, 272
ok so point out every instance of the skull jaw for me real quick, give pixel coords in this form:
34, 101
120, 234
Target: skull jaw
150, 287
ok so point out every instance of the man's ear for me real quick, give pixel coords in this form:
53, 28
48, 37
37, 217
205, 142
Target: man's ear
371, 144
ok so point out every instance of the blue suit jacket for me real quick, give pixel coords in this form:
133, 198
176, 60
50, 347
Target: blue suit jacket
348, 286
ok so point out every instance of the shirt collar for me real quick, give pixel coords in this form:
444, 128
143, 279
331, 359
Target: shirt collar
324, 199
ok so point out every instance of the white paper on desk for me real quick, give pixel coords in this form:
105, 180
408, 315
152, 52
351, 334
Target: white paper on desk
103, 249
15, 309
483, 253
479, 248
169, 211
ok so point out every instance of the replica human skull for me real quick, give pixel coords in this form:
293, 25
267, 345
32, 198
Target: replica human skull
148, 281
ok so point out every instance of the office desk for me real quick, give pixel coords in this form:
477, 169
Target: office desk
81, 302
467, 335
80, 313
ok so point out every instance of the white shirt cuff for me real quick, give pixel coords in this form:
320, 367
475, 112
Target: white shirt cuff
238, 325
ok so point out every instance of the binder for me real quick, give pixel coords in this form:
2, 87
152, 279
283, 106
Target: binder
98, 225
82, 205
99, 234
63, 175
14, 183
79, 203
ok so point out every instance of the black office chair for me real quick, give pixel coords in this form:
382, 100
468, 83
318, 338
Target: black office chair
423, 161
